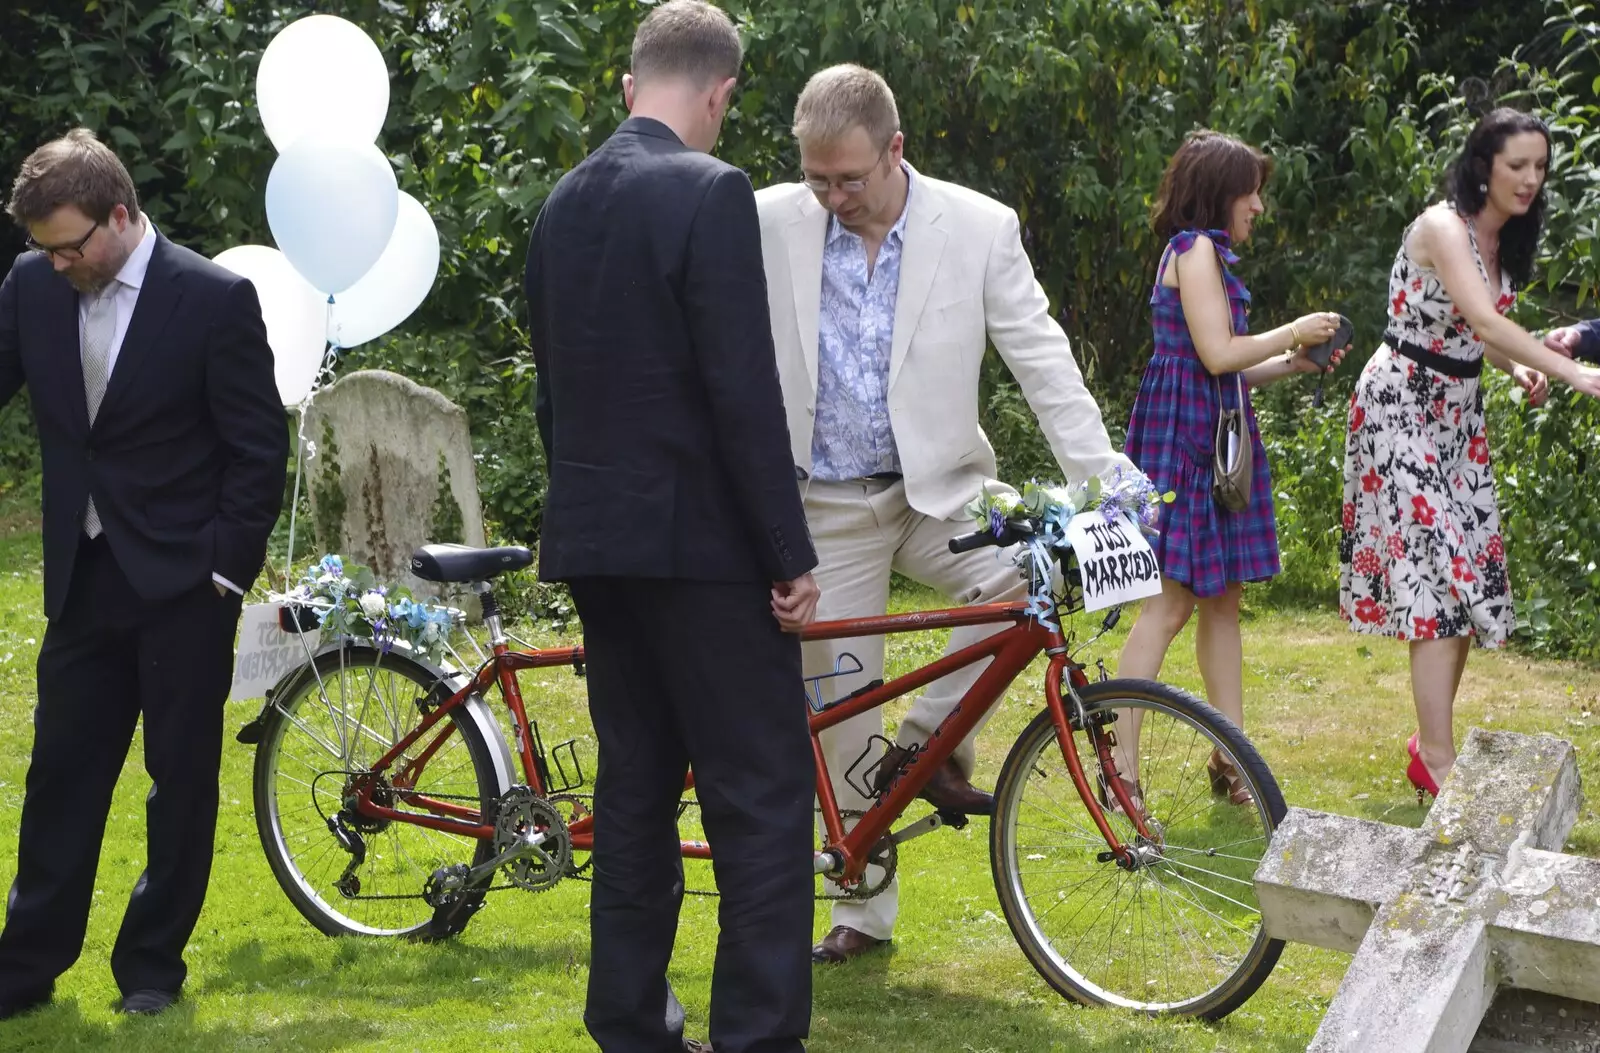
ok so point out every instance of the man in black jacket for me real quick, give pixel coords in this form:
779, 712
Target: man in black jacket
164, 449
674, 513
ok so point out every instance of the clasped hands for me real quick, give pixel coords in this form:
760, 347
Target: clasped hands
1309, 331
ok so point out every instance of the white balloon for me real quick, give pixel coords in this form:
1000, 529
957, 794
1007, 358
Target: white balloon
322, 75
395, 286
331, 205
295, 313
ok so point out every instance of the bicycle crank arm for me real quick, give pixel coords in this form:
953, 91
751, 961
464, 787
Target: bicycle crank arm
510, 855
922, 826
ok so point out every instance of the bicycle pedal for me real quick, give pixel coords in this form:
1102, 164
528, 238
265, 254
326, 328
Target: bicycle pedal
448, 921
955, 820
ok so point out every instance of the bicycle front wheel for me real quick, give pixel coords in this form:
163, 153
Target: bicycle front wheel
323, 734
1179, 932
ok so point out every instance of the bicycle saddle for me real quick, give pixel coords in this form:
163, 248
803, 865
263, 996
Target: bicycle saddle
463, 563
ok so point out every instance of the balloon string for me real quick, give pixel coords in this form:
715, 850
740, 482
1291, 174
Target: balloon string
294, 504
323, 375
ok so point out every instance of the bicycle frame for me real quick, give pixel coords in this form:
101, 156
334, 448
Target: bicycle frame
1011, 650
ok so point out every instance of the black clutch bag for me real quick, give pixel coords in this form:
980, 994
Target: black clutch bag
1322, 353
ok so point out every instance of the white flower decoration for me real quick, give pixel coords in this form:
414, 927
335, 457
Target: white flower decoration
374, 606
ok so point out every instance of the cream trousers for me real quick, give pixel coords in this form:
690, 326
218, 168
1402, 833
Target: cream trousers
863, 530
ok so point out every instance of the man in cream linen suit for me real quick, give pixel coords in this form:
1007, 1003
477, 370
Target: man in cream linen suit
883, 286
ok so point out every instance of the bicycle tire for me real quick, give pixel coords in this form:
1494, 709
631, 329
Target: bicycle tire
312, 893
1038, 745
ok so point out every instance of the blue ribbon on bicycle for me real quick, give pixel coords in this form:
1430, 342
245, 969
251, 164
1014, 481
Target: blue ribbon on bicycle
1037, 559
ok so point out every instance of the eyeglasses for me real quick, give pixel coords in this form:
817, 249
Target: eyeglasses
849, 186
66, 252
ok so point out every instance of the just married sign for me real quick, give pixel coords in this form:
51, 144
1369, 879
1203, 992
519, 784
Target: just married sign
1114, 559
266, 652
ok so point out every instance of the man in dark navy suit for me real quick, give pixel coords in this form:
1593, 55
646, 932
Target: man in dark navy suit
674, 512
1580, 341
164, 449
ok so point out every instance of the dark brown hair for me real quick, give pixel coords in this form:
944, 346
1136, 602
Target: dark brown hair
1519, 238
689, 39
1205, 177
78, 170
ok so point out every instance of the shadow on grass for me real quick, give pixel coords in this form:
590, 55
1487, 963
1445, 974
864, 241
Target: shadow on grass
416, 974
63, 1027
861, 1008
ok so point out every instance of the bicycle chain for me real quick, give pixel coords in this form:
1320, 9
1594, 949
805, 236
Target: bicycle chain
483, 891
575, 871
889, 868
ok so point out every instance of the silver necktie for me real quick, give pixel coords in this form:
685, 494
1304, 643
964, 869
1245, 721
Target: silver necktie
99, 329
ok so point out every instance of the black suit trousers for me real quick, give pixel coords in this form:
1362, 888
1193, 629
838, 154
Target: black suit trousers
696, 673
107, 658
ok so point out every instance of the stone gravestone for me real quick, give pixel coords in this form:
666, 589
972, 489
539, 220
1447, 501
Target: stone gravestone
1479, 899
393, 470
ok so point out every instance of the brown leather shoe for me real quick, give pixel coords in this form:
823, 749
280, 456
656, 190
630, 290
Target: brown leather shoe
947, 790
843, 943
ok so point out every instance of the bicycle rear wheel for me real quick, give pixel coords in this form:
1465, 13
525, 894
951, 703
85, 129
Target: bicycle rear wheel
322, 735
1180, 932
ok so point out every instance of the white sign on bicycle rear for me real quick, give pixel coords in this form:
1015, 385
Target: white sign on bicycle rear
1114, 559
266, 652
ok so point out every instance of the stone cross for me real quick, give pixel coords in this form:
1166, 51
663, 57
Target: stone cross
1526, 1022
1440, 917
393, 469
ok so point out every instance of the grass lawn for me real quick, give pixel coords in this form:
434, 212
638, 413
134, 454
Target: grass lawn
1330, 712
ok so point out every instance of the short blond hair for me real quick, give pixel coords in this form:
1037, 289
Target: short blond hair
840, 98
687, 39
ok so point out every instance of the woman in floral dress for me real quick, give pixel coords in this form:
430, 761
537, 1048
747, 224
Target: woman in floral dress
1206, 359
1422, 558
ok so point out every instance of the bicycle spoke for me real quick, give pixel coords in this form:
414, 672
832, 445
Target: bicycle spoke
1173, 923
328, 736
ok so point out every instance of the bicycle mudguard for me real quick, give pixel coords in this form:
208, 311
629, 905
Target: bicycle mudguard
474, 708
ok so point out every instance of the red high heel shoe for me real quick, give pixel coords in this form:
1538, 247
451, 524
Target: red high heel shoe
1418, 772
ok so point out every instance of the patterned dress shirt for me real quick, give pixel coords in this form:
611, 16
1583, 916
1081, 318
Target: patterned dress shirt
852, 438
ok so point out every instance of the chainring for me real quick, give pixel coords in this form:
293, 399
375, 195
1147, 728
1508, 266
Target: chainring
519, 813
575, 806
885, 855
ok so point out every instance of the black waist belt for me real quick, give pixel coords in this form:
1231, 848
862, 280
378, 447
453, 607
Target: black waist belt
1422, 356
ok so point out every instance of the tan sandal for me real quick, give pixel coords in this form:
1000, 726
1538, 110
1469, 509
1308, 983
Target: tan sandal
1133, 789
1226, 780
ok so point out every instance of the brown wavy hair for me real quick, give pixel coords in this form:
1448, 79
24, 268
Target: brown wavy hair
1205, 177
78, 170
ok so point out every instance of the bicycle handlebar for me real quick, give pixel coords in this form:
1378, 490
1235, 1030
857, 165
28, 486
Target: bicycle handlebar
1013, 532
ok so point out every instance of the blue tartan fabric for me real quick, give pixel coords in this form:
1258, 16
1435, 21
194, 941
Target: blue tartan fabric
1171, 433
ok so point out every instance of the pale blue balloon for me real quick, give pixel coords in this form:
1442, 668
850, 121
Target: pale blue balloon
332, 206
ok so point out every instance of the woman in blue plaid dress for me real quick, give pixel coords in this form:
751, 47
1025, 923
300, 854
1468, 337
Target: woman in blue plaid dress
1205, 358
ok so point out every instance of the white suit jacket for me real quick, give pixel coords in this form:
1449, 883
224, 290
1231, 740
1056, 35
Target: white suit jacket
964, 277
